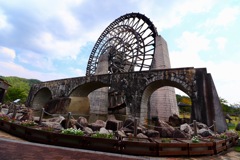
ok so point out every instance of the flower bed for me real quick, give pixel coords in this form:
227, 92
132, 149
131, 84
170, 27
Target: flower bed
17, 130
126, 145
170, 147
5, 125
139, 146
199, 148
219, 144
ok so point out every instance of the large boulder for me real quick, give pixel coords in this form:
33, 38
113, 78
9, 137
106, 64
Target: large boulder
82, 121
97, 125
54, 125
179, 134
205, 132
201, 125
114, 125
141, 135
121, 133
152, 133
174, 120
88, 130
186, 128
58, 119
104, 131
165, 130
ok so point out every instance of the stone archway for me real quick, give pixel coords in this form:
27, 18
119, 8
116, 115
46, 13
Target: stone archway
144, 110
85, 102
41, 98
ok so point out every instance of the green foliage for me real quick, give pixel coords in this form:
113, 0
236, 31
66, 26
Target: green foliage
19, 88
186, 103
237, 148
28, 123
195, 139
4, 117
166, 140
102, 135
73, 131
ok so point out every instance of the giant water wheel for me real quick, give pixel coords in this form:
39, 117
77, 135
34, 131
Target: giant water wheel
129, 43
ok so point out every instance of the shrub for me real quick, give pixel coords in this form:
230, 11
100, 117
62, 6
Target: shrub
28, 123
195, 139
73, 131
102, 135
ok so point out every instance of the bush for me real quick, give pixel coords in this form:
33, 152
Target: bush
102, 135
73, 131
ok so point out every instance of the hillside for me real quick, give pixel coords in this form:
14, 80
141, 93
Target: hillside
19, 88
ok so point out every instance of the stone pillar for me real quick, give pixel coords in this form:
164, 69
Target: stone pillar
99, 98
163, 101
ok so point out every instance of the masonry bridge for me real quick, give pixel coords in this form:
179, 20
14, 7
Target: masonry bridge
135, 89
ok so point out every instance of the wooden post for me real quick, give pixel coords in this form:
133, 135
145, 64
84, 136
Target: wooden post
135, 127
195, 127
68, 119
41, 116
14, 111
214, 127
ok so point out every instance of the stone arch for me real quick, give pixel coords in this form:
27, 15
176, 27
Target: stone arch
41, 97
153, 86
79, 95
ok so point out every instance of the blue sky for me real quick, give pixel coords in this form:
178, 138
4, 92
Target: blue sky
49, 40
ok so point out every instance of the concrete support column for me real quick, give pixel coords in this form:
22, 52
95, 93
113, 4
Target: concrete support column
99, 98
163, 101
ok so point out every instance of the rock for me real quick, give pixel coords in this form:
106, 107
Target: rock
72, 124
228, 117
82, 121
100, 123
174, 120
121, 133
179, 134
114, 125
127, 130
205, 132
104, 131
111, 117
152, 133
97, 125
54, 125
186, 128
28, 115
165, 130
58, 119
140, 135
201, 125
88, 130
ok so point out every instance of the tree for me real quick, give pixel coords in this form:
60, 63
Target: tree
19, 89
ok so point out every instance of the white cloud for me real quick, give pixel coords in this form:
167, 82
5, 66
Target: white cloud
7, 54
78, 72
36, 60
4, 25
169, 14
57, 48
192, 42
221, 42
12, 69
190, 45
225, 17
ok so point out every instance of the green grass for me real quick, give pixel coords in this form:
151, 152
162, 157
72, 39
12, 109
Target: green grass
237, 148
